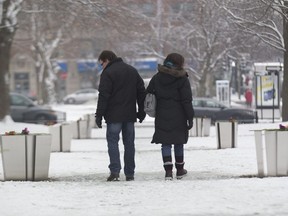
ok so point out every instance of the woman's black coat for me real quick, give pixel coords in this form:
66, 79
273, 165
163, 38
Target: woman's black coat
174, 105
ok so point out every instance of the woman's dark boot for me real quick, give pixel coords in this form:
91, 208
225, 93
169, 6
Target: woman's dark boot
181, 172
168, 166
179, 164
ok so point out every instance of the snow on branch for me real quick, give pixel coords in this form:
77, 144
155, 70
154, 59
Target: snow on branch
264, 29
10, 17
1, 10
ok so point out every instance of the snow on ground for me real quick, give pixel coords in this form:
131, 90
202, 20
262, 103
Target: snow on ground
219, 182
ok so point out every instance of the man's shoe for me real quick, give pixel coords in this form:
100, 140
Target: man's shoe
181, 173
129, 178
113, 177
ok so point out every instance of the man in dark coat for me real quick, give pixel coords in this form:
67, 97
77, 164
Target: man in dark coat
120, 89
174, 111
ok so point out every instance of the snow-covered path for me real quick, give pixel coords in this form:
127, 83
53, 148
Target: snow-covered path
219, 182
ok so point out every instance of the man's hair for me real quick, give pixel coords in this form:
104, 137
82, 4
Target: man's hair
107, 55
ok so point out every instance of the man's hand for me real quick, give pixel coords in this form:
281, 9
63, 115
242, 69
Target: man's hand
189, 124
98, 121
141, 116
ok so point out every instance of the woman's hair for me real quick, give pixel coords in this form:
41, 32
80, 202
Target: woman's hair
174, 60
107, 55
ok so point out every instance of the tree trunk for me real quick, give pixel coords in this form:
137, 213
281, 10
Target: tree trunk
201, 91
44, 90
285, 73
5, 41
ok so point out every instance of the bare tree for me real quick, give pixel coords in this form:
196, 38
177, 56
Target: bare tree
53, 24
208, 38
48, 25
9, 10
260, 18
198, 30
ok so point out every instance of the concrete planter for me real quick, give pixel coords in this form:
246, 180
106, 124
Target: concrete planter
90, 118
201, 127
272, 152
82, 128
74, 130
226, 133
61, 137
25, 157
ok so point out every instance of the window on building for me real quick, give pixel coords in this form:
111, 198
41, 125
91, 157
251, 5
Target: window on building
21, 81
149, 9
176, 7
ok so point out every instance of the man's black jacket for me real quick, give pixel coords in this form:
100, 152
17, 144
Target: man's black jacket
120, 88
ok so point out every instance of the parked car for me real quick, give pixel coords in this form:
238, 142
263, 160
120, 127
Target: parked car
217, 111
23, 109
81, 96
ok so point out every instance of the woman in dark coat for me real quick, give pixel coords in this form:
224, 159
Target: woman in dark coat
174, 112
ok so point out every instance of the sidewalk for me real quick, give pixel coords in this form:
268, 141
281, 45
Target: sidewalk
219, 182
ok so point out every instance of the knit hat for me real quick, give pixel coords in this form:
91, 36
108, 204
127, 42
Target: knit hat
174, 61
